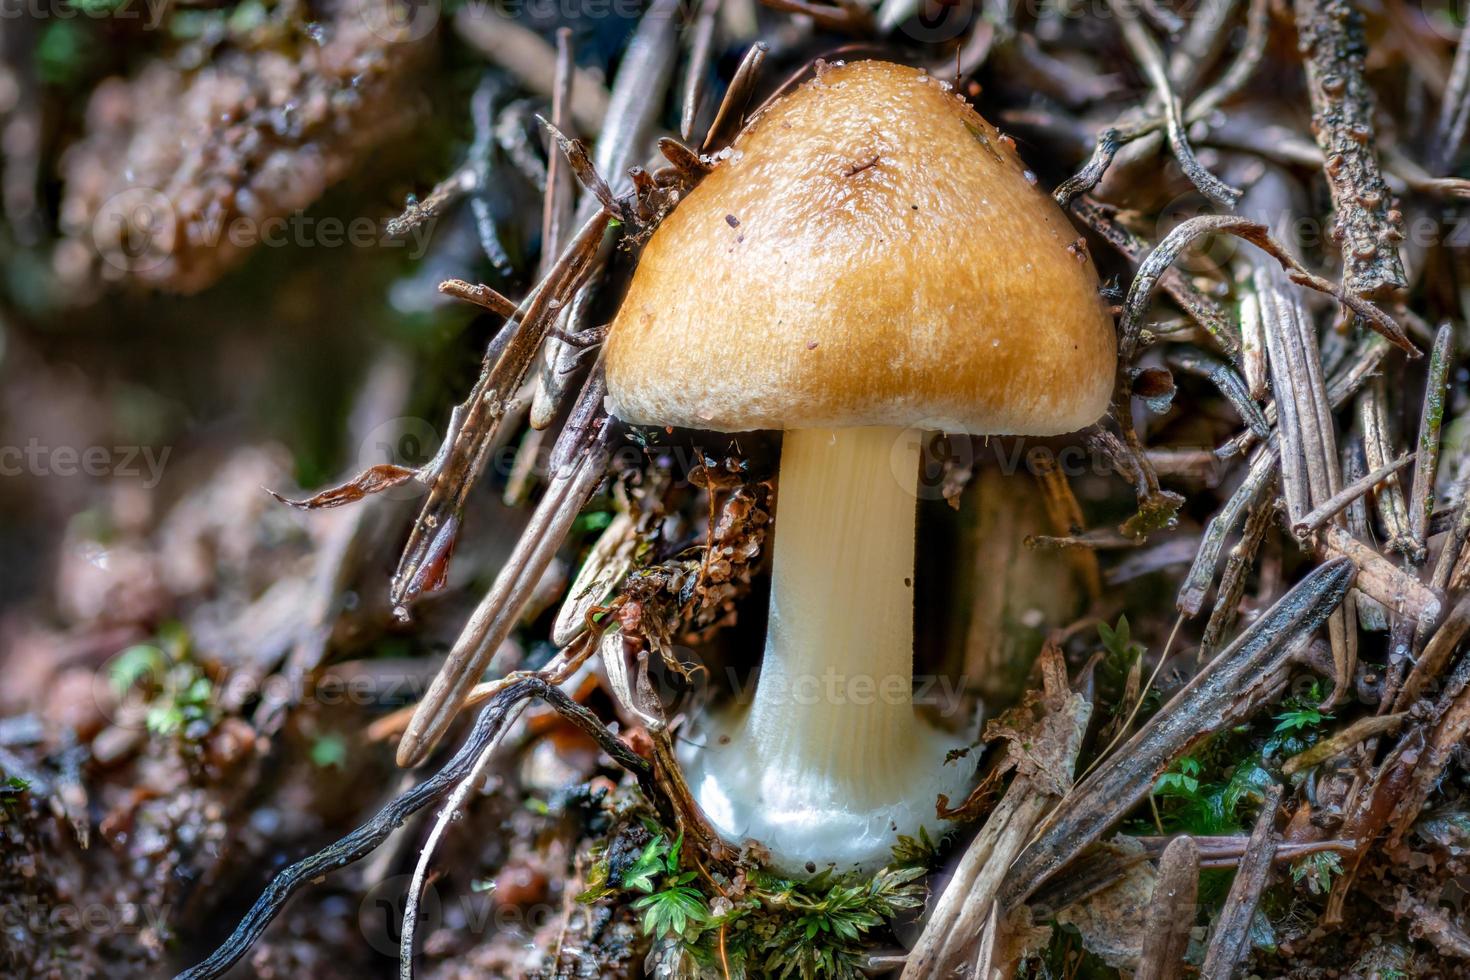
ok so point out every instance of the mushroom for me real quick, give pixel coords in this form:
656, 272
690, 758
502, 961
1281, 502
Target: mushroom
868, 261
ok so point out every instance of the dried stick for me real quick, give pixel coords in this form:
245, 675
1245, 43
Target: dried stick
1454, 111
526, 55
448, 814
732, 107
1205, 38
1109, 141
1436, 656
700, 48
1146, 50
1367, 228
848, 18
1184, 235
1359, 731
1204, 310
1370, 810
1450, 731
1378, 450
558, 670
1349, 494
1431, 419
1231, 940
1340, 388
1252, 342
1133, 140
1453, 547
1171, 912
1232, 580
644, 75
602, 571
455, 471
498, 612
1280, 310
480, 295
1319, 433
1246, 496
1226, 381
556, 211
1380, 578
1226, 851
1371, 615
968, 900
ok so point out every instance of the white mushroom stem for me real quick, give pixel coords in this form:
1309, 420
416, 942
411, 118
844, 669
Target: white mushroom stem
830, 763
835, 695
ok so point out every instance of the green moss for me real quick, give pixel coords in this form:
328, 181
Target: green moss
769, 926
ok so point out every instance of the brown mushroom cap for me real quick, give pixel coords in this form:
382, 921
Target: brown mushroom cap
870, 252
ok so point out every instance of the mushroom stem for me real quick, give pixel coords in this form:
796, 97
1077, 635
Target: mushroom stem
840, 640
830, 762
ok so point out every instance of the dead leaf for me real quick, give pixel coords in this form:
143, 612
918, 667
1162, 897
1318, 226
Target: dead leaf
1113, 921
374, 479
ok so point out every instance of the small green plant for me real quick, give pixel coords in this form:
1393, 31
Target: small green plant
919, 851
651, 862
1182, 780
1120, 673
670, 906
329, 751
191, 703
11, 791
1118, 642
1303, 711
810, 929
1298, 719
174, 687
1202, 793
1316, 871
674, 910
1299, 725
133, 666
65, 52
592, 521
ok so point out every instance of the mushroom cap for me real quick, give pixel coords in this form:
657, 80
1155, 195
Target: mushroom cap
870, 251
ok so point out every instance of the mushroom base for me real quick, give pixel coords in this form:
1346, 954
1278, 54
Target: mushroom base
805, 820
